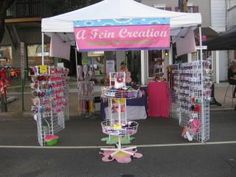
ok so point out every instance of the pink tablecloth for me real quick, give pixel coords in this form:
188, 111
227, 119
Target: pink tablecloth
158, 99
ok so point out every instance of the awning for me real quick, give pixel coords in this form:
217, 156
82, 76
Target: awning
225, 41
207, 34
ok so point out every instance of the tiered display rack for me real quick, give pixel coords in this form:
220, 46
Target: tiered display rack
50, 100
117, 93
192, 94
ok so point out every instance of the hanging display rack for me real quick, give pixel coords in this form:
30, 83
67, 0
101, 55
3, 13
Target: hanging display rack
192, 94
50, 101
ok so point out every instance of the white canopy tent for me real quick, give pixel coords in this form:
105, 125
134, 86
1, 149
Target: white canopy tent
62, 25
114, 9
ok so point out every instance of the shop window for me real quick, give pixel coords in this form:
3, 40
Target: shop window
162, 6
35, 54
155, 63
191, 9
5, 56
134, 65
96, 60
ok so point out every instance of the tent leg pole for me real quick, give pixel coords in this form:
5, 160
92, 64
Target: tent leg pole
76, 62
142, 67
42, 50
200, 41
202, 88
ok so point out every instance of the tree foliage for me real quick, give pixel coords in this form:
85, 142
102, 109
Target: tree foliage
4, 5
56, 7
68, 5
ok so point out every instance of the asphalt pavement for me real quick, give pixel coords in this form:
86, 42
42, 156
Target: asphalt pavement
165, 152
173, 161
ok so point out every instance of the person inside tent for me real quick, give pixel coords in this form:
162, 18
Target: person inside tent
123, 68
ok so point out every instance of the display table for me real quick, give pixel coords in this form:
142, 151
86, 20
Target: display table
158, 99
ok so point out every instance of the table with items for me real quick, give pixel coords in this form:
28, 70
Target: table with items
136, 107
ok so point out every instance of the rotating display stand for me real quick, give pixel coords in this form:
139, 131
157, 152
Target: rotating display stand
117, 93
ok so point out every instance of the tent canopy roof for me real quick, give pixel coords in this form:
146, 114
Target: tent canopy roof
115, 9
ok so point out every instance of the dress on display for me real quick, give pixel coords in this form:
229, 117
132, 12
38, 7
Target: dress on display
158, 99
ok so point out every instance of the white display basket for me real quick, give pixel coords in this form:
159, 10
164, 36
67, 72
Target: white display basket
120, 93
116, 129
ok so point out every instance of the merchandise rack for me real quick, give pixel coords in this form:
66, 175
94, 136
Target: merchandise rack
50, 100
192, 83
120, 126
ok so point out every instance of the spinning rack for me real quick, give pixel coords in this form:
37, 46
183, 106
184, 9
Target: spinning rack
117, 94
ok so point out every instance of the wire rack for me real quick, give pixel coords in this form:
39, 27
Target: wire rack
191, 92
50, 102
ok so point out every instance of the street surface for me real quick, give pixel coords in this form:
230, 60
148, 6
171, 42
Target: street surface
166, 153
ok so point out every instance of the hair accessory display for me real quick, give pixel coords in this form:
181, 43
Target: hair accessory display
50, 101
191, 84
120, 127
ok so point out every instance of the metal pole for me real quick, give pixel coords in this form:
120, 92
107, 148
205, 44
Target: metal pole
142, 67
76, 62
202, 88
22, 58
22, 93
42, 50
200, 42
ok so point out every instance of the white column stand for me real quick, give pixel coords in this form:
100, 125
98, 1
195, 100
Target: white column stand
217, 67
76, 63
42, 49
202, 88
142, 67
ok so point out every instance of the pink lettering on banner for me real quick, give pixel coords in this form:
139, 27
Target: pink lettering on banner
122, 37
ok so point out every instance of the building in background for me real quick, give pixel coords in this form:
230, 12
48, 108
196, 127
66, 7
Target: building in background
231, 27
213, 21
23, 24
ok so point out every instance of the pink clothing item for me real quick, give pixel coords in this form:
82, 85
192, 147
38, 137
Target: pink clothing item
158, 99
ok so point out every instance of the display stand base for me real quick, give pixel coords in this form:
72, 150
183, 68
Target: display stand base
121, 155
114, 139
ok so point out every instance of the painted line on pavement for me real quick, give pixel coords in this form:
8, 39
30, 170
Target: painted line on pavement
98, 147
